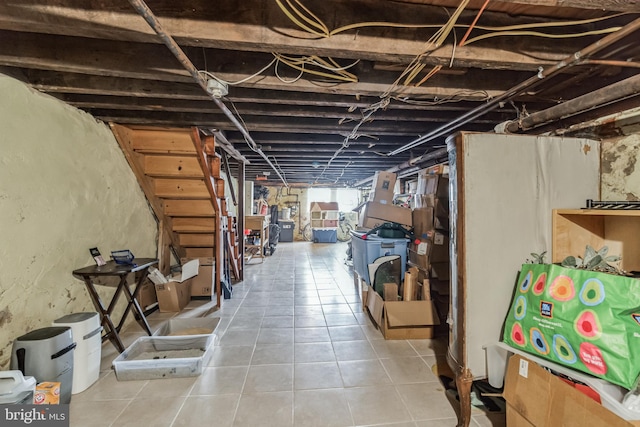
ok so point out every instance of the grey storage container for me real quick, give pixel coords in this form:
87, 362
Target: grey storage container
286, 230
47, 355
366, 251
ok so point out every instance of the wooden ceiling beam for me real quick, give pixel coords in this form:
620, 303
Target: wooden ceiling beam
248, 110
262, 27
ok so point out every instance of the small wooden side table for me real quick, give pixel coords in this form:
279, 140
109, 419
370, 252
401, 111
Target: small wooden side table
140, 266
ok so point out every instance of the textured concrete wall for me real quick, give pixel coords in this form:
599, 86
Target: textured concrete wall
621, 168
65, 187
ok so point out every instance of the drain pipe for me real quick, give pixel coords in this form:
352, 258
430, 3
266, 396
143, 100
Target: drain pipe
543, 74
143, 10
619, 91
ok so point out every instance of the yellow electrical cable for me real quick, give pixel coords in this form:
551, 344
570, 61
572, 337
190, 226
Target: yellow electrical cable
543, 35
318, 22
297, 22
295, 66
326, 33
549, 24
320, 62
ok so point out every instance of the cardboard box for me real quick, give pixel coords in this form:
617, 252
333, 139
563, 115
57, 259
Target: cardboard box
47, 393
422, 219
400, 320
419, 255
147, 295
535, 397
174, 295
378, 213
435, 184
202, 284
382, 188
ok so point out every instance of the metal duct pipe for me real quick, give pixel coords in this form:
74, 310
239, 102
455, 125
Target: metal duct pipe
616, 92
568, 62
143, 10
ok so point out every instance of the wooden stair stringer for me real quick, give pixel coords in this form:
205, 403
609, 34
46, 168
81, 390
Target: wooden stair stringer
124, 136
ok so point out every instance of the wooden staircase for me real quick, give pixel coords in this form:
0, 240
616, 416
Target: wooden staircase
180, 174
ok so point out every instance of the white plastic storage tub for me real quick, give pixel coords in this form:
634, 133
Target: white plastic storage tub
164, 357
366, 251
86, 332
15, 388
191, 327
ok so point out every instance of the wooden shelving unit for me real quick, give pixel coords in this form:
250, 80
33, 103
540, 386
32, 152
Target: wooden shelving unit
573, 229
259, 225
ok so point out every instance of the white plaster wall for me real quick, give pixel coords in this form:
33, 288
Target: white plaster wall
65, 187
621, 169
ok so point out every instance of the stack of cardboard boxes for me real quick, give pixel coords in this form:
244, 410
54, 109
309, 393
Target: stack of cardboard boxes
380, 208
402, 311
429, 252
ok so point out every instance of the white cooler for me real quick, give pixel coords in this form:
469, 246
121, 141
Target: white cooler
87, 333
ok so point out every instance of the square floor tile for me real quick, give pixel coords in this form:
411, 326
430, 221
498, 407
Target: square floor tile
265, 410
406, 370
321, 408
426, 401
311, 335
270, 354
277, 322
222, 409
246, 337
316, 375
144, 412
376, 405
354, 350
222, 380
314, 352
275, 336
346, 333
84, 413
309, 321
341, 319
361, 373
267, 378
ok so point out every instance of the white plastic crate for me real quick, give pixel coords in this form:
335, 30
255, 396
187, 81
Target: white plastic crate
164, 357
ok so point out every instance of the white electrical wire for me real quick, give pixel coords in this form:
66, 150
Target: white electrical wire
213, 76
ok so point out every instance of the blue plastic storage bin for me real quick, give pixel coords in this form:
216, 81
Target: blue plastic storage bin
365, 252
325, 235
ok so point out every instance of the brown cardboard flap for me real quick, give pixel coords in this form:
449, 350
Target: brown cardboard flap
375, 304
410, 313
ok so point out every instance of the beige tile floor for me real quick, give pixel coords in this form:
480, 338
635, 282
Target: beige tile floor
294, 349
